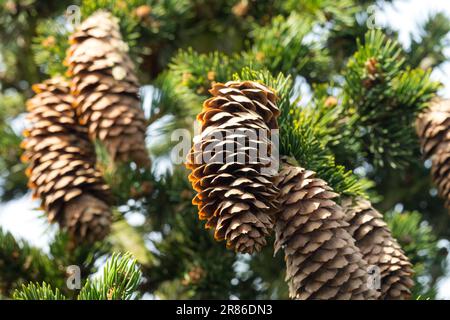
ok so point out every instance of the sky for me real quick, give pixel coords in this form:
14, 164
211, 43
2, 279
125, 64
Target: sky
22, 219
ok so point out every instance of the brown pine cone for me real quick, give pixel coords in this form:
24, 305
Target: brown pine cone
235, 187
433, 129
106, 89
322, 261
379, 248
62, 164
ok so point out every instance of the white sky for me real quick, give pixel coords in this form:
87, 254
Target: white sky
22, 220
405, 16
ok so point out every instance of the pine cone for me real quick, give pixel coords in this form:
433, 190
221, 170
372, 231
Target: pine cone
379, 248
62, 164
433, 129
235, 187
106, 89
322, 261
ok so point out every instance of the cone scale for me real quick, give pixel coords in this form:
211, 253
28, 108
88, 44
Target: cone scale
433, 129
379, 248
322, 260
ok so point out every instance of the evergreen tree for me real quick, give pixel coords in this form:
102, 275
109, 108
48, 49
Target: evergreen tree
232, 64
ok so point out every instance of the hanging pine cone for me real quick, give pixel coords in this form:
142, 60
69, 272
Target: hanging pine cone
433, 129
322, 261
235, 189
379, 248
62, 164
106, 89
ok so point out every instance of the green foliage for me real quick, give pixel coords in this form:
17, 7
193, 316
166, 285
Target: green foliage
341, 12
38, 292
63, 254
11, 104
21, 263
198, 71
194, 266
126, 238
50, 46
124, 179
360, 118
269, 43
268, 272
162, 21
12, 176
119, 281
427, 50
172, 96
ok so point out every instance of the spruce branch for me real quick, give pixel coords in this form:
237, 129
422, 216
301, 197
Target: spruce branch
125, 238
289, 45
119, 281
20, 263
198, 71
339, 12
270, 43
34, 291
364, 121
13, 180
172, 95
64, 254
50, 45
383, 97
